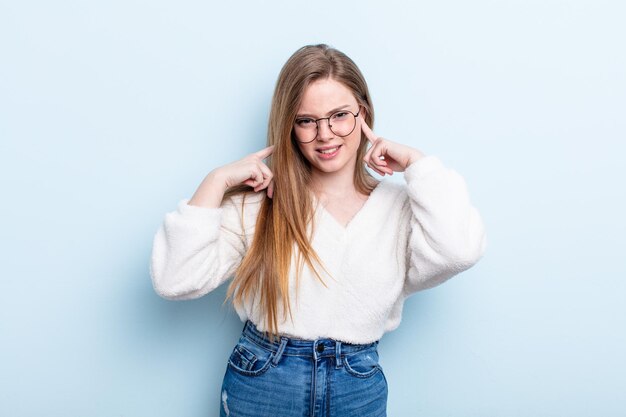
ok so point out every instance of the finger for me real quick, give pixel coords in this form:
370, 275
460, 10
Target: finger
368, 154
378, 171
378, 159
260, 185
367, 159
373, 159
368, 132
267, 177
255, 178
252, 182
267, 173
378, 167
270, 189
376, 154
265, 152
387, 171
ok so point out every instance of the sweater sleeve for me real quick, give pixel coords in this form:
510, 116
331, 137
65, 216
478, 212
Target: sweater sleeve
447, 235
196, 249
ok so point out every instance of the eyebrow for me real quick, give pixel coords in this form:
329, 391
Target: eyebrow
327, 114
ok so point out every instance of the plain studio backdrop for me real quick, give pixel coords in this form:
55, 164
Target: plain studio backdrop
113, 111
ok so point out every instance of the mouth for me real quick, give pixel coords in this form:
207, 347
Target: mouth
328, 150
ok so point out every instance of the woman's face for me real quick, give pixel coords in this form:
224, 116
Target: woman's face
328, 153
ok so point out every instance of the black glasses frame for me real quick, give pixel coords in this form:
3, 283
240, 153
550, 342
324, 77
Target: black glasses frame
317, 126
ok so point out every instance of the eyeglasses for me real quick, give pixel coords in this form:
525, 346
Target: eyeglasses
341, 123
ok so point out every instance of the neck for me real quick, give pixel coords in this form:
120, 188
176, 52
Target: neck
333, 184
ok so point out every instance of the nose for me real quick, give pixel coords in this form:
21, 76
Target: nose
323, 130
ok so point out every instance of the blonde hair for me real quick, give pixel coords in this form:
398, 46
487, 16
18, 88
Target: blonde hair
284, 221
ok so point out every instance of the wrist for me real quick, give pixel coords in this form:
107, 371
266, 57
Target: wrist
210, 192
414, 155
215, 180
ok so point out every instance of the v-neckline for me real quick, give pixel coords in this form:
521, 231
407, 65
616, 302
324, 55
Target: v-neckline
319, 206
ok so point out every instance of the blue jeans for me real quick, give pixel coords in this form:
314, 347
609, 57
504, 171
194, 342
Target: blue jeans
302, 378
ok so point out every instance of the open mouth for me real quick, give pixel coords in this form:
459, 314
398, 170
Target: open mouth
329, 151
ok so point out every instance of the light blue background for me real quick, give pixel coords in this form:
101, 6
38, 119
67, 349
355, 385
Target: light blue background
112, 111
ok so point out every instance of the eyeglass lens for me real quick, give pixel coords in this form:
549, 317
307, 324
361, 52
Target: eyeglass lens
341, 123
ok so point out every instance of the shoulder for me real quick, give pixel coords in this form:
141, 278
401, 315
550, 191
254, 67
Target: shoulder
242, 201
390, 196
243, 208
390, 190
426, 166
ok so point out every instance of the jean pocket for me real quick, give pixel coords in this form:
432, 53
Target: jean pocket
362, 364
250, 359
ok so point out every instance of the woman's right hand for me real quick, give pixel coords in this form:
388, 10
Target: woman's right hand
250, 171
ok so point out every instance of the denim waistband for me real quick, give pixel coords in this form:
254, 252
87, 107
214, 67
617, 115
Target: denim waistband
284, 345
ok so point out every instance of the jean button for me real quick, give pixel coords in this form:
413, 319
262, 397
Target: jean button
320, 348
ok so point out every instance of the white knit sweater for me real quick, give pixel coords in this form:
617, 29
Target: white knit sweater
404, 239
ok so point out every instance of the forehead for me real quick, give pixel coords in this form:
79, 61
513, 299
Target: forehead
324, 95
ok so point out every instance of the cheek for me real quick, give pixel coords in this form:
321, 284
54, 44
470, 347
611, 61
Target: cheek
354, 140
305, 151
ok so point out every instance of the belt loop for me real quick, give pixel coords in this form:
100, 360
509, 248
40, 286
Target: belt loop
279, 352
338, 355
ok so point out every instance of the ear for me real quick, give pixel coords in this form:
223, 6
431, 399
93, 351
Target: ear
363, 112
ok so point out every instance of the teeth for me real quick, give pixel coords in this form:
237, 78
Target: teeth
331, 150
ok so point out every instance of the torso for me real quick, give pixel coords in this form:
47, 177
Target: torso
360, 243
343, 209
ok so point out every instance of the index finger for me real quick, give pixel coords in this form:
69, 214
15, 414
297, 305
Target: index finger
264, 153
368, 132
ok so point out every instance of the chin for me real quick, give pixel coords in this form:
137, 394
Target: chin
332, 167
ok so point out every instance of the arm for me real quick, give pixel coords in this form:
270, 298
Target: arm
202, 243
447, 235
196, 248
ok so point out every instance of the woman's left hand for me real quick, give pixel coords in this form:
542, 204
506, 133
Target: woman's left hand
385, 156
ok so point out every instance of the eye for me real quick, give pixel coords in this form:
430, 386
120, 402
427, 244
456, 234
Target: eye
340, 115
305, 122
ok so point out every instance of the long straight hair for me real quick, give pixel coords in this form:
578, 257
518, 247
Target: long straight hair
285, 222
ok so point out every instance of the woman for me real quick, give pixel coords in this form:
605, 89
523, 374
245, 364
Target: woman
323, 255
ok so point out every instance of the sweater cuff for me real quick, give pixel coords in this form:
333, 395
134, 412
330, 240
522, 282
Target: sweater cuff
188, 210
422, 167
